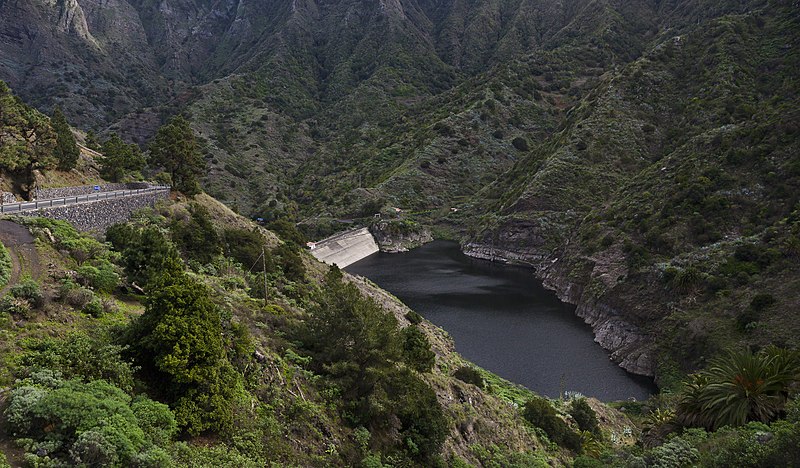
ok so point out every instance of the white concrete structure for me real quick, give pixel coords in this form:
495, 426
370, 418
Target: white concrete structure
345, 248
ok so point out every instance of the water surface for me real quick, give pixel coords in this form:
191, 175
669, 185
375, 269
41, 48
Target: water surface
502, 319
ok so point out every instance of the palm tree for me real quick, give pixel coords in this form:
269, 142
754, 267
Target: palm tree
740, 387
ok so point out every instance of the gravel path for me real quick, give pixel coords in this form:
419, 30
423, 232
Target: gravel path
20, 244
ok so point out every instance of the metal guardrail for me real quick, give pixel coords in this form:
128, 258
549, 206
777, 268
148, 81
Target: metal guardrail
77, 200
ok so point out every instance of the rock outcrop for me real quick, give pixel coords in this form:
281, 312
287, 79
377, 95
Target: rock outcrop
399, 236
628, 345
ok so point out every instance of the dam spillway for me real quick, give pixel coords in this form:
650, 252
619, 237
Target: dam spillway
345, 248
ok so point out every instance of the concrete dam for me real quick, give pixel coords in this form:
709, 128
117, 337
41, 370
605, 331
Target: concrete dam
345, 248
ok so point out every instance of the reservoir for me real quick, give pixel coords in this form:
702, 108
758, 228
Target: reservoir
502, 319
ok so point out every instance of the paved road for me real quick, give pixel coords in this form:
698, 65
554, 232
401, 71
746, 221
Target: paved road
76, 200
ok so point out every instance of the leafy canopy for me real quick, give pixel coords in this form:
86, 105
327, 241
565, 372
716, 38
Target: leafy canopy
175, 149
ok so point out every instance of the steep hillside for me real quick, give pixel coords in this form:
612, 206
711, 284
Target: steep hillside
668, 202
628, 150
246, 382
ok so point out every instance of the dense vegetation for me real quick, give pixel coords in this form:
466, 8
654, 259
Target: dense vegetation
643, 156
161, 347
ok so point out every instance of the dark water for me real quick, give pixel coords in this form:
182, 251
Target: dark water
503, 319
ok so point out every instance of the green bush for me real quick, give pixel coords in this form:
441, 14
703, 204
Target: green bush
417, 349
198, 238
16, 307
288, 231
469, 375
146, 253
246, 246
80, 356
156, 419
178, 342
762, 301
676, 453
94, 308
75, 295
520, 144
28, 289
75, 422
102, 276
739, 387
290, 262
587, 462
539, 412
5, 266
584, 416
413, 317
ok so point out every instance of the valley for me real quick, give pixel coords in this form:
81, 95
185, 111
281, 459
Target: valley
639, 159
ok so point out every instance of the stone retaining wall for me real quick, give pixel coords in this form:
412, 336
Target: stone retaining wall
99, 215
63, 192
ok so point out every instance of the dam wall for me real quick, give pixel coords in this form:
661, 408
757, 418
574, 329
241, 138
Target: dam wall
345, 248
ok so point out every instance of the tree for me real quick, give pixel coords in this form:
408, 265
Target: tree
740, 387
27, 139
66, 150
197, 237
417, 349
178, 340
146, 253
175, 149
350, 336
92, 142
120, 159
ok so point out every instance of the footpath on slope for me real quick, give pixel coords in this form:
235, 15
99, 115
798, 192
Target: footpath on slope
22, 249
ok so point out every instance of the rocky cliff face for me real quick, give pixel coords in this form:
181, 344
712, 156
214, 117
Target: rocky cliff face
628, 345
395, 237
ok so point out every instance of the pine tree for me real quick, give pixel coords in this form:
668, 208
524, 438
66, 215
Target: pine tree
175, 149
66, 151
92, 142
120, 159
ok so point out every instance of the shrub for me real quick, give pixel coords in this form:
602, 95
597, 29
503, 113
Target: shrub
675, 453
246, 246
762, 301
16, 307
178, 341
413, 317
746, 319
75, 295
539, 412
290, 262
417, 350
198, 237
94, 308
587, 462
469, 375
520, 144
739, 387
288, 231
97, 408
29, 290
80, 356
155, 419
5, 265
584, 416
102, 276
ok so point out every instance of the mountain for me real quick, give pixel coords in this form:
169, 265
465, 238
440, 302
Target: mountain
640, 155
